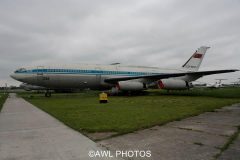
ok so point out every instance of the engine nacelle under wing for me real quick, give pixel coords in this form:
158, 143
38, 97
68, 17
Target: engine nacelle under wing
131, 86
173, 84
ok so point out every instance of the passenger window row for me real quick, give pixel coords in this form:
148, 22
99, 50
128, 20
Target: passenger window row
80, 71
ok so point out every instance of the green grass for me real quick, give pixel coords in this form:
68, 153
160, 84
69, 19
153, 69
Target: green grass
205, 92
3, 97
123, 114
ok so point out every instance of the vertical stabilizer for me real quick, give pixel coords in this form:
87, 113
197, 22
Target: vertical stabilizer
195, 60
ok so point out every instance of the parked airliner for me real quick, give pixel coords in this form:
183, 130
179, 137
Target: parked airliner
116, 77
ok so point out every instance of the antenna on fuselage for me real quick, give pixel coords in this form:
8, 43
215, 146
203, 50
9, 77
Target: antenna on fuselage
115, 63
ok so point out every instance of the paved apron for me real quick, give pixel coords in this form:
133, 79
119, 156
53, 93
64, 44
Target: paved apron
27, 133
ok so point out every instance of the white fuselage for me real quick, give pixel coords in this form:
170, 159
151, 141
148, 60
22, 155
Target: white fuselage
84, 76
123, 78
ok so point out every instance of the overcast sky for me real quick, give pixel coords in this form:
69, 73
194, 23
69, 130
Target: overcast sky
137, 32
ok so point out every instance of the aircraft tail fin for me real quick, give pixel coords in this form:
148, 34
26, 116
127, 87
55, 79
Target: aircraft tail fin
195, 60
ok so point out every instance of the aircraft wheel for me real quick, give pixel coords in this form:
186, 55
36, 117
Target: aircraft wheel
48, 94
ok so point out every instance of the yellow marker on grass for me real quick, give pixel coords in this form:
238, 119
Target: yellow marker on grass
103, 98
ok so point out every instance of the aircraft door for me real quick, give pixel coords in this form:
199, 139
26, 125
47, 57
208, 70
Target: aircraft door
98, 77
40, 72
98, 74
41, 77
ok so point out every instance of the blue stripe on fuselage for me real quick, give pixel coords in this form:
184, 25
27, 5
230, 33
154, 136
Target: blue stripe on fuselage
87, 72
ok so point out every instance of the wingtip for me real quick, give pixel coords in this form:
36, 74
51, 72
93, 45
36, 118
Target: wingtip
234, 70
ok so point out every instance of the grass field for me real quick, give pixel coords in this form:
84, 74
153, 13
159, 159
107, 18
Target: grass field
123, 114
3, 97
206, 92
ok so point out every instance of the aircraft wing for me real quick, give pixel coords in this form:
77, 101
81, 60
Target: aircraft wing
205, 73
169, 75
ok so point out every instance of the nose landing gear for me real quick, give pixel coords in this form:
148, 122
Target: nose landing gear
48, 93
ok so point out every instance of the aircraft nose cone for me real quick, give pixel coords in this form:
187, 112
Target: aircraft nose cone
18, 77
13, 76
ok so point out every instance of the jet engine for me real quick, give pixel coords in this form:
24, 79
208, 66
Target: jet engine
174, 84
131, 86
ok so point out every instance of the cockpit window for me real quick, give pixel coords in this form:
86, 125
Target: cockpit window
20, 70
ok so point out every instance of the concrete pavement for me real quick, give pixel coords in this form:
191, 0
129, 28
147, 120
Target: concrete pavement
27, 133
194, 138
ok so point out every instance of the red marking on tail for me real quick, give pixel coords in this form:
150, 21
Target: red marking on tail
197, 55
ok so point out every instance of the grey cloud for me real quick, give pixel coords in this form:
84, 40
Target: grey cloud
138, 32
